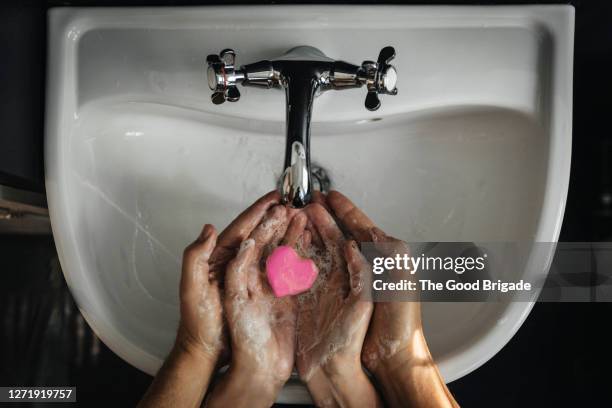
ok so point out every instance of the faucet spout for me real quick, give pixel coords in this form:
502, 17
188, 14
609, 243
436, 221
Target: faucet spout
296, 182
302, 72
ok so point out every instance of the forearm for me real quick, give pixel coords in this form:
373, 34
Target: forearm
343, 384
321, 390
355, 391
411, 379
181, 381
244, 388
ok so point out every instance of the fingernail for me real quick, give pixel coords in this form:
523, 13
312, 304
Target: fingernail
373, 235
377, 234
206, 231
300, 217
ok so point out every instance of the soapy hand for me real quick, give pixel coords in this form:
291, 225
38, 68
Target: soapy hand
185, 375
229, 241
240, 228
331, 322
201, 323
395, 350
394, 324
332, 319
261, 326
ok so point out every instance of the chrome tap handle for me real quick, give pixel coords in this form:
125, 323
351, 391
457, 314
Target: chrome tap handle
381, 77
303, 72
223, 76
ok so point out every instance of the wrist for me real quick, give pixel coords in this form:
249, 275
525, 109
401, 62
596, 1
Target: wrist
388, 366
268, 381
185, 369
195, 353
415, 353
411, 378
244, 387
347, 382
339, 367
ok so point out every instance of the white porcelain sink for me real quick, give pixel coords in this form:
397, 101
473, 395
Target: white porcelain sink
476, 147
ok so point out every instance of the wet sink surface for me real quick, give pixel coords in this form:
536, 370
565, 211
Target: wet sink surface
476, 147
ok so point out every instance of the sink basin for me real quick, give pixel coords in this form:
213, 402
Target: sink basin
475, 147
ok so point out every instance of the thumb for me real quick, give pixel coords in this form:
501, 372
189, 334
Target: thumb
194, 274
358, 267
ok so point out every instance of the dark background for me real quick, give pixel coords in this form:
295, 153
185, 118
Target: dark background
559, 357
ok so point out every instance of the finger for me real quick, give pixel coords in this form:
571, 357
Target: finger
245, 223
238, 231
295, 230
386, 244
319, 198
358, 267
195, 268
274, 221
272, 226
305, 240
350, 216
292, 212
254, 281
325, 225
236, 278
315, 238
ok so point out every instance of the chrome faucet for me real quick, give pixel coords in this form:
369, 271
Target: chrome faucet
302, 72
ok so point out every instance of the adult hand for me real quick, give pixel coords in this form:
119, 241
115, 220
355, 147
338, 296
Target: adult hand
332, 319
394, 324
261, 326
395, 349
239, 230
185, 375
201, 323
229, 242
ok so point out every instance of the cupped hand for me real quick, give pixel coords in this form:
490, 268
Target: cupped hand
227, 246
332, 319
261, 326
395, 326
201, 324
239, 229
395, 349
185, 375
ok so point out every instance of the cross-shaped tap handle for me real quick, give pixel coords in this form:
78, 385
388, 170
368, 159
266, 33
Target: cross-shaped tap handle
382, 77
222, 76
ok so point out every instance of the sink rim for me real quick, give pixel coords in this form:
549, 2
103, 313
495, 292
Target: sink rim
558, 21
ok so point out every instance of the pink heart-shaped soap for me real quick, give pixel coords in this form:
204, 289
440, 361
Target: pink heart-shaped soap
288, 273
